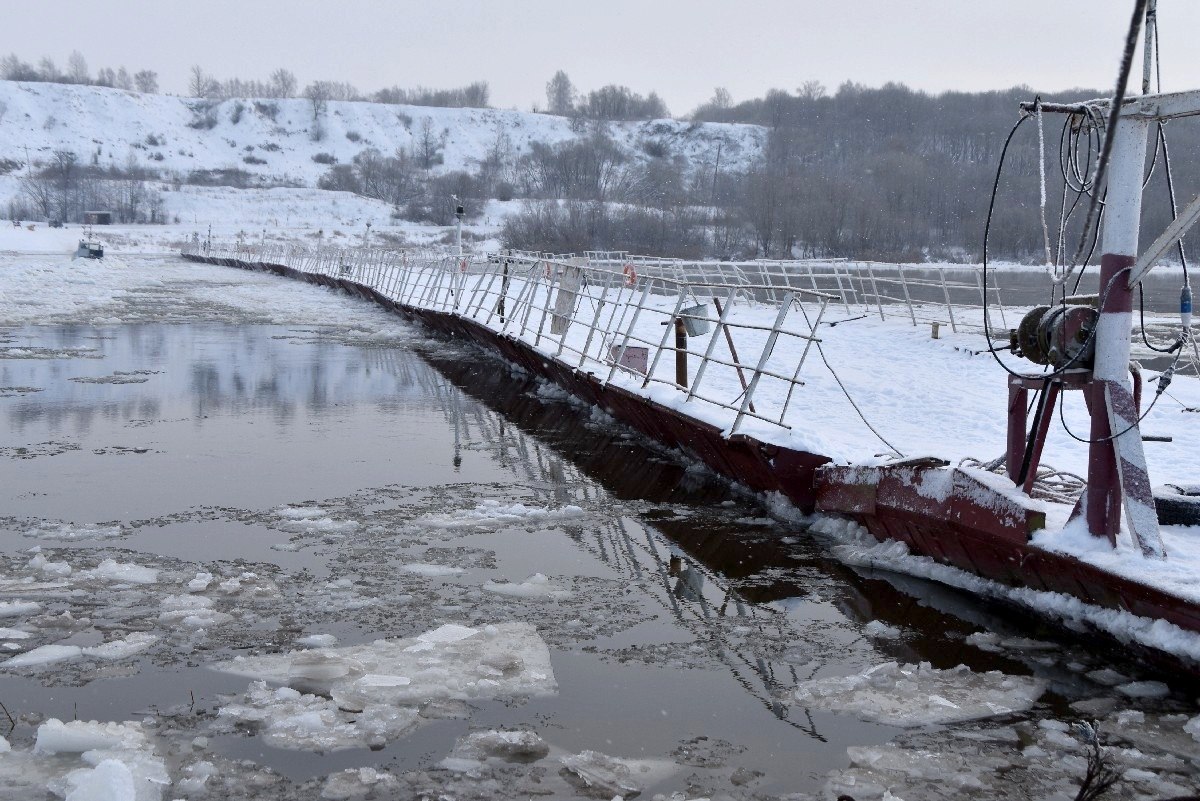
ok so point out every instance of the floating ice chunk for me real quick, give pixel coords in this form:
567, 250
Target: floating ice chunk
317, 641
384, 682
134, 644
41, 563
78, 736
1144, 689
320, 523
536, 587
128, 573
881, 630
451, 632
43, 655
14, 634
492, 513
607, 776
194, 611
200, 582
111, 780
1192, 727
18, 608
4, 746
358, 782
511, 746
919, 695
300, 512
421, 569
69, 532
289, 719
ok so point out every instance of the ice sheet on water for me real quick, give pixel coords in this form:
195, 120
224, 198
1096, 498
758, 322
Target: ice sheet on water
70, 532
881, 630
920, 695
288, 718
604, 776
125, 573
537, 587
123, 648
373, 690
495, 513
509, 746
18, 608
312, 520
432, 571
115, 761
317, 641
43, 655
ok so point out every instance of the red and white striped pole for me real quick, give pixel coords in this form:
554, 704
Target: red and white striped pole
1117, 474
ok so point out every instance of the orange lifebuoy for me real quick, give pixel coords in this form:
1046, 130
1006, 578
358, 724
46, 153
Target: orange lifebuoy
630, 275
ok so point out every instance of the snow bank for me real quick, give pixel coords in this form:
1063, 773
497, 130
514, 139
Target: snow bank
920, 695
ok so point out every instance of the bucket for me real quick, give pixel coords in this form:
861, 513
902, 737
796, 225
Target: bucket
695, 320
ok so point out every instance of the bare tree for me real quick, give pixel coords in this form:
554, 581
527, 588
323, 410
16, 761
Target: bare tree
429, 145
106, 77
49, 70
198, 83
123, 80
721, 99
318, 93
77, 68
812, 90
560, 95
283, 83
147, 81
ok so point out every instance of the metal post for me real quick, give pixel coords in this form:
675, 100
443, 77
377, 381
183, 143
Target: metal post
662, 345
629, 331
722, 316
595, 323
681, 371
763, 358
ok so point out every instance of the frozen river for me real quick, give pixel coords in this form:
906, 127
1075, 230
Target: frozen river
454, 582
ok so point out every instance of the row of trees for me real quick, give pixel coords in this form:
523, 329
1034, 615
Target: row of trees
63, 189
887, 173
13, 68
609, 102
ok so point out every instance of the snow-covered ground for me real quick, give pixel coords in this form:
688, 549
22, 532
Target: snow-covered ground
108, 126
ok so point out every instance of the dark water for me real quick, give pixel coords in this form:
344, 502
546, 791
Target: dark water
188, 436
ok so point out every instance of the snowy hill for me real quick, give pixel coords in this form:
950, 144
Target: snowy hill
275, 140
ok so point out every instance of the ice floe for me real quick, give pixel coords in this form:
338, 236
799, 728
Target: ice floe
537, 588
604, 776
494, 513
920, 695
369, 694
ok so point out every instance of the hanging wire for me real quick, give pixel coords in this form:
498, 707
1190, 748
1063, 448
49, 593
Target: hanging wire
1114, 113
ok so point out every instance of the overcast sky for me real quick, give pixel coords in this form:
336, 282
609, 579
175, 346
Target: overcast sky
680, 48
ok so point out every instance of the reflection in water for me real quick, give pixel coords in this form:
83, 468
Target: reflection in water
713, 574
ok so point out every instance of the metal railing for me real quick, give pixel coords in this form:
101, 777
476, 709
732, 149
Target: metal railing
609, 317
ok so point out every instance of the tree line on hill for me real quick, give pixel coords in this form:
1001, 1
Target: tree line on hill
886, 173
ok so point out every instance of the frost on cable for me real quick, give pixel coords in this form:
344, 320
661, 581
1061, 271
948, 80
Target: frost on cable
920, 695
